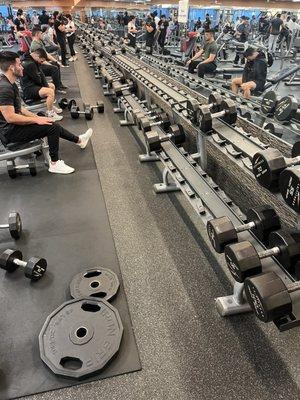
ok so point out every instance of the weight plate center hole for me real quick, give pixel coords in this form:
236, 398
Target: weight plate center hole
81, 332
94, 284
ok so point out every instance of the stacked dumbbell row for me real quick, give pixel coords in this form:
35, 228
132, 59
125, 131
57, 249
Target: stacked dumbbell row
284, 109
266, 292
275, 172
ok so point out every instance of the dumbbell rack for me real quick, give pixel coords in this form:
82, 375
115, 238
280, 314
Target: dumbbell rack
178, 170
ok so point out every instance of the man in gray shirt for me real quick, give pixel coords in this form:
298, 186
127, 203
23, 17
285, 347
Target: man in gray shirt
276, 26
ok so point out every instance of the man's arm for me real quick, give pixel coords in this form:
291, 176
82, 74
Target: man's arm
210, 59
27, 113
11, 117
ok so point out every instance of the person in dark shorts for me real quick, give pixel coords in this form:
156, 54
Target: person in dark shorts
205, 59
34, 84
18, 125
254, 75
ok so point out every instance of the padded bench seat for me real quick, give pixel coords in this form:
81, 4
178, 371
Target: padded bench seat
279, 76
14, 150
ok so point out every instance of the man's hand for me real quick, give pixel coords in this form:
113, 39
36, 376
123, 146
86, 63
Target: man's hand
188, 62
43, 120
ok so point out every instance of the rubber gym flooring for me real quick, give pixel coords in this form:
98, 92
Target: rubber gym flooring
171, 278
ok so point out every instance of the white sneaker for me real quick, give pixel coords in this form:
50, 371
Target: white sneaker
60, 168
75, 58
59, 58
71, 59
55, 117
57, 110
84, 139
76, 52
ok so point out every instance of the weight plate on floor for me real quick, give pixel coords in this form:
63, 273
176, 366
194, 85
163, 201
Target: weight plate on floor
96, 282
80, 337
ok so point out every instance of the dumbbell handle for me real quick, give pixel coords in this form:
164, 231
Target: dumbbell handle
218, 114
245, 227
4, 226
292, 161
21, 263
274, 251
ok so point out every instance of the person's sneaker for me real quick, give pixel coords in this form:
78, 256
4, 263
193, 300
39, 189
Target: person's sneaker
71, 59
76, 52
75, 58
55, 117
60, 168
84, 139
59, 57
65, 65
57, 110
61, 91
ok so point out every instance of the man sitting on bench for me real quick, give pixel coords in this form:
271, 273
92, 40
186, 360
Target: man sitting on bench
51, 66
207, 63
18, 125
34, 84
254, 75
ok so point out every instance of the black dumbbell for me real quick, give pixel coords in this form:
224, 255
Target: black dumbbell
114, 51
14, 225
151, 115
261, 221
268, 164
193, 106
153, 140
287, 108
289, 186
269, 297
65, 103
164, 122
34, 268
244, 261
88, 112
269, 103
99, 107
228, 114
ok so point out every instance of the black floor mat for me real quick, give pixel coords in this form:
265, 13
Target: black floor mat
65, 221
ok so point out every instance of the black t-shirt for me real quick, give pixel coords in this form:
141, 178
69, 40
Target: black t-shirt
163, 26
275, 26
9, 96
44, 19
60, 35
20, 23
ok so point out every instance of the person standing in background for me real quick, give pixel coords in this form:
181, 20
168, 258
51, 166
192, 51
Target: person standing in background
125, 22
71, 36
276, 26
44, 18
35, 19
60, 30
132, 31
162, 26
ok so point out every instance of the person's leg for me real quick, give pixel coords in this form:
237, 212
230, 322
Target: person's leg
192, 65
235, 84
49, 94
206, 69
54, 72
71, 45
237, 58
247, 87
62, 45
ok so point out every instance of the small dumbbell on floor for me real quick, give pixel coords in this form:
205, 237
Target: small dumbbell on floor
88, 112
269, 297
65, 103
228, 114
244, 260
34, 268
14, 225
153, 140
267, 165
146, 123
261, 222
99, 107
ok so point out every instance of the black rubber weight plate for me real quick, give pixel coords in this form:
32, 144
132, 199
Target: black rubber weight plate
96, 282
80, 337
